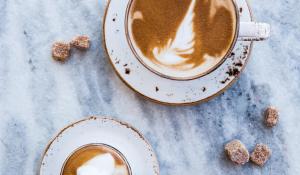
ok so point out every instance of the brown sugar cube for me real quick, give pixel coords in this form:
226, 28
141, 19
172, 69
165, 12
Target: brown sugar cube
61, 51
271, 116
237, 152
81, 42
261, 154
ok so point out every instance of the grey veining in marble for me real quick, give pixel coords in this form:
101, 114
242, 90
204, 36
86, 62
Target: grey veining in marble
39, 96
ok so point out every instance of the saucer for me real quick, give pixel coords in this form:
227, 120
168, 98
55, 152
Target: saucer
163, 90
119, 135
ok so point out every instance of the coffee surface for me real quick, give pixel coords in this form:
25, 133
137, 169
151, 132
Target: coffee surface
83, 155
181, 34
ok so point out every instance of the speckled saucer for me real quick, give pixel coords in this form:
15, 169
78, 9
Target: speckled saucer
94, 130
160, 89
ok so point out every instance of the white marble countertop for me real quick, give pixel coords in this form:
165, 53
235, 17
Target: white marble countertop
39, 96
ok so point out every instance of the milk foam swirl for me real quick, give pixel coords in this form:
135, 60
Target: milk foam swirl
183, 43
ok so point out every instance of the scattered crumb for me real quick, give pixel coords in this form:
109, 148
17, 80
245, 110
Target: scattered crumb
61, 51
127, 71
81, 42
271, 116
239, 64
261, 154
233, 72
156, 89
237, 152
203, 89
224, 81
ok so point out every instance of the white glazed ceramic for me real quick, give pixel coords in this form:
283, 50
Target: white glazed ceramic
249, 31
164, 90
119, 135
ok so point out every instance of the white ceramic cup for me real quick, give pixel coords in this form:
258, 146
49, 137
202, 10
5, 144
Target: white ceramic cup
245, 31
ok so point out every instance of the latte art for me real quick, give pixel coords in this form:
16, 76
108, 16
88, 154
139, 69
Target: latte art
181, 38
178, 50
96, 160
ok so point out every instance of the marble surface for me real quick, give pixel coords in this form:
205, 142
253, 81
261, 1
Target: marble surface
39, 96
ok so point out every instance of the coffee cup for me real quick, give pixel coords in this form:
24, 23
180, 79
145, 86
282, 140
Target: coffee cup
96, 159
184, 40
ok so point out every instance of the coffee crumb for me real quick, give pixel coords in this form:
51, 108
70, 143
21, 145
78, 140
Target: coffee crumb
224, 81
203, 89
125, 65
261, 154
117, 61
239, 64
237, 152
127, 71
114, 19
61, 51
271, 116
81, 42
233, 72
156, 89
241, 10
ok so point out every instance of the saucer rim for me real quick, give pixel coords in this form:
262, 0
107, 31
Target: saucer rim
155, 161
169, 103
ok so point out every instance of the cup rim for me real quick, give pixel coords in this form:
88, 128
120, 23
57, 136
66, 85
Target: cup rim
97, 144
216, 66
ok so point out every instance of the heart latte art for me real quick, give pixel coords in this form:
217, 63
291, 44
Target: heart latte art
181, 38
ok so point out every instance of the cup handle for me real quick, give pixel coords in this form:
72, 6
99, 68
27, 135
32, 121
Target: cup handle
253, 31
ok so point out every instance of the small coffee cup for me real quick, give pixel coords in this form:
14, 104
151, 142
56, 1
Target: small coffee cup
101, 158
184, 40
